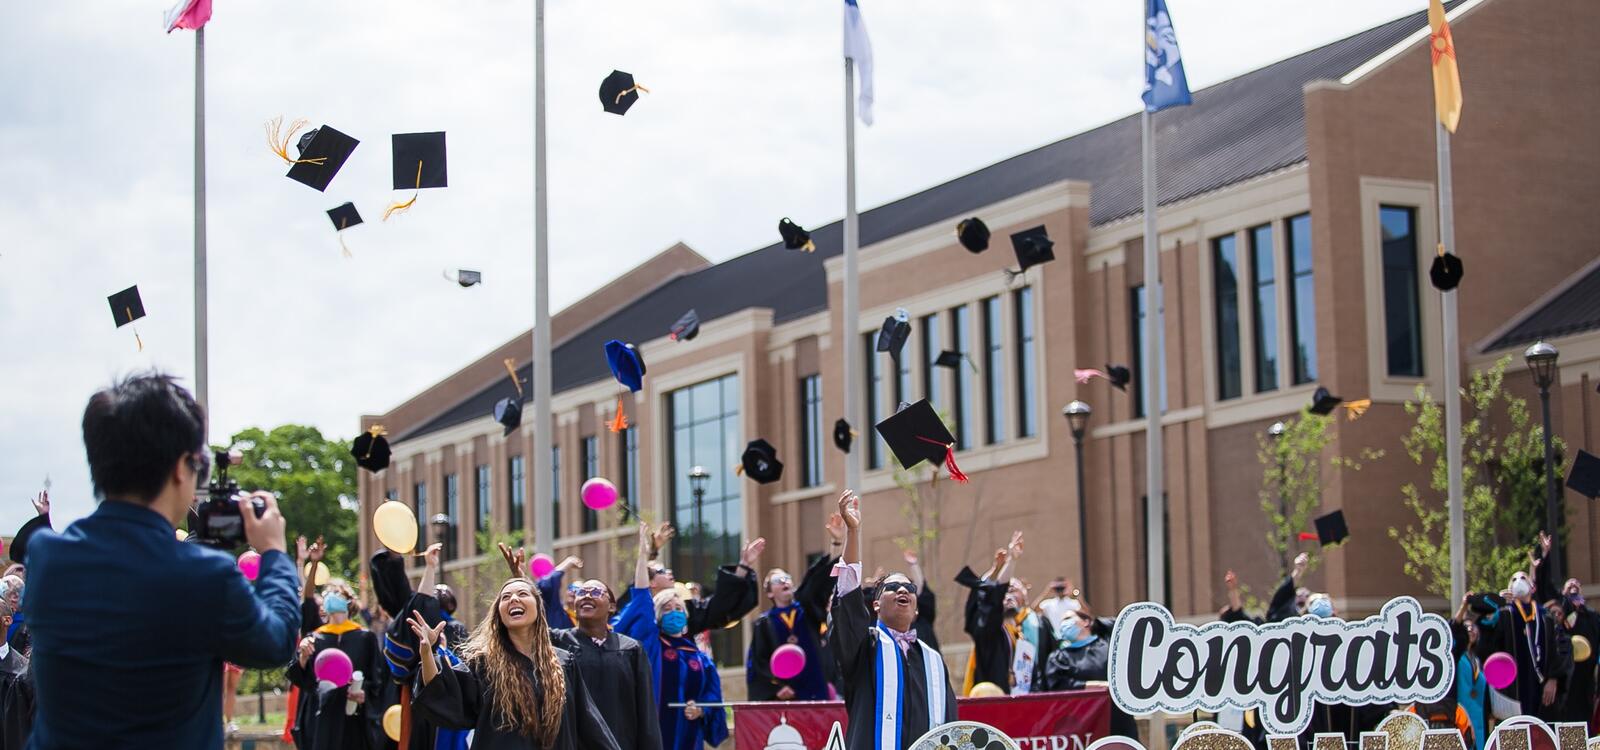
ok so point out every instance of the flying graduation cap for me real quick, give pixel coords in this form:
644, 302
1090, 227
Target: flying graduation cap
916, 434
953, 360
508, 411
894, 333
371, 449
1323, 403
760, 462
419, 163
618, 92
323, 152
1584, 478
126, 307
1117, 375
1032, 246
1446, 271
1331, 528
843, 435
628, 368
794, 236
464, 277
973, 234
686, 328
344, 217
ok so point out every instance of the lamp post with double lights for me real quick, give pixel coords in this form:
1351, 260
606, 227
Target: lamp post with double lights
1541, 359
698, 476
1077, 414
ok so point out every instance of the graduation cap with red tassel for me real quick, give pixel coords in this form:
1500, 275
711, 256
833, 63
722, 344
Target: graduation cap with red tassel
916, 434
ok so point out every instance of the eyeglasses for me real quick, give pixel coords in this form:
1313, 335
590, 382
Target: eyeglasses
780, 579
661, 572
906, 586
587, 592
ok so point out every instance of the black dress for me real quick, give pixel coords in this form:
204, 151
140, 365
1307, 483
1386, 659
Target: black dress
1536, 644
772, 629
854, 648
1070, 668
1579, 705
321, 721
618, 677
458, 698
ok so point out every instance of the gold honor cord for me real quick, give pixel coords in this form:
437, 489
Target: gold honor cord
375, 431
280, 145
625, 92
395, 208
129, 312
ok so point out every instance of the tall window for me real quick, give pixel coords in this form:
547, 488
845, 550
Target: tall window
516, 482
1264, 308
591, 469
1402, 306
419, 492
929, 333
1027, 379
452, 511
960, 341
630, 465
811, 430
484, 514
1302, 300
1225, 270
555, 491
874, 410
1144, 375
705, 432
994, 396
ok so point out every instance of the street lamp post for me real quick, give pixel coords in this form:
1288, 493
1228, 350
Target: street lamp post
697, 484
1276, 431
1541, 358
441, 529
1077, 414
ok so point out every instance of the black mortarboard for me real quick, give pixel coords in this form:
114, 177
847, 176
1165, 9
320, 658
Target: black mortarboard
19, 543
1446, 272
618, 92
323, 152
1323, 402
468, 278
371, 450
126, 306
508, 412
1118, 376
916, 434
760, 462
1485, 604
686, 328
1033, 246
419, 161
794, 236
948, 359
344, 217
892, 337
1584, 478
843, 436
1331, 528
974, 234
389, 581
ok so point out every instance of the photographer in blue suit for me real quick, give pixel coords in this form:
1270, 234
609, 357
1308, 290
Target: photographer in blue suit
130, 626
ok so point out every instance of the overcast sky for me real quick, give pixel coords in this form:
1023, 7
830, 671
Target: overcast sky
743, 126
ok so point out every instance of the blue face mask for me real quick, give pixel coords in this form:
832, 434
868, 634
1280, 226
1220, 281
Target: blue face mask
674, 623
1321, 608
1071, 631
335, 604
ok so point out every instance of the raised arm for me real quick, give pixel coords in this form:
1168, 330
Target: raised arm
1013, 551
516, 560
641, 565
850, 614
913, 569
430, 568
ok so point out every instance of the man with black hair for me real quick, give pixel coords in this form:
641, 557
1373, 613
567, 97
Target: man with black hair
614, 666
114, 664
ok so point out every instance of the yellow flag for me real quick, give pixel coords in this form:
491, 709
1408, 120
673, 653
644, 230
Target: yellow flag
1446, 79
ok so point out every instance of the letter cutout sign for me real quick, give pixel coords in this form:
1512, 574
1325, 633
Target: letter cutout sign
1400, 655
1399, 731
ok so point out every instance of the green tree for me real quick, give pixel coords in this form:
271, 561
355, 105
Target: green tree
1502, 482
315, 481
1291, 480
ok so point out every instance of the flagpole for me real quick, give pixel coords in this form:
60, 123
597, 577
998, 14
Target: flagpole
852, 303
543, 507
1452, 376
1153, 315
202, 378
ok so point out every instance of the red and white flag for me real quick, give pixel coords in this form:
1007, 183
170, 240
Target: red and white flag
188, 14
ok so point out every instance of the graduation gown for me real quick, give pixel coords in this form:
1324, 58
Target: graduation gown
927, 610
16, 701
320, 720
680, 672
855, 649
1579, 705
732, 599
1533, 643
985, 623
800, 623
459, 698
1072, 666
618, 677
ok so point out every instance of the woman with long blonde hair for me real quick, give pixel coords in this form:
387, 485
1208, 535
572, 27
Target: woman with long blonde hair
515, 689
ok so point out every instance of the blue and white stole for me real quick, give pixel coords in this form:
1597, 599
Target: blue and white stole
891, 687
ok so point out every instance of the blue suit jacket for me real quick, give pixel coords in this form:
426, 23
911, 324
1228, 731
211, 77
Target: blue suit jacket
130, 628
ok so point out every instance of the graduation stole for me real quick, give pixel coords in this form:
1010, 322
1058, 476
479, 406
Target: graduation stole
1023, 630
339, 628
889, 672
1531, 626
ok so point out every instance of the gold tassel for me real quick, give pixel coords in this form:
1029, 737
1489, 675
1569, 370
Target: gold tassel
280, 145
625, 92
376, 431
511, 369
345, 248
138, 340
1357, 408
395, 208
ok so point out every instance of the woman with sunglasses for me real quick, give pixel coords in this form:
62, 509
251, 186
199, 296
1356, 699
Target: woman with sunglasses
514, 688
613, 665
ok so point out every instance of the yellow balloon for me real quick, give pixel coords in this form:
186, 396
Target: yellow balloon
391, 722
320, 576
396, 526
1582, 649
985, 690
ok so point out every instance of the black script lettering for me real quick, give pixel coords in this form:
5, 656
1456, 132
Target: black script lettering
1432, 665
1379, 676
1328, 645
1404, 639
1356, 679
1225, 656
1146, 634
1176, 682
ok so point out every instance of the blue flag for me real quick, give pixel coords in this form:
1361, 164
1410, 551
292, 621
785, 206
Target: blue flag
1164, 82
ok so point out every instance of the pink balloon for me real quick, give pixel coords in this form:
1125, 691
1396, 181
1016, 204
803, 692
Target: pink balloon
250, 564
788, 661
599, 494
541, 565
334, 666
1501, 670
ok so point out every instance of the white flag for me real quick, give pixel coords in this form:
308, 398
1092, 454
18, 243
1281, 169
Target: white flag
858, 47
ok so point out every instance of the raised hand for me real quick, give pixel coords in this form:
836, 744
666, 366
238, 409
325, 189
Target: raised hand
514, 559
911, 557
315, 552
835, 529
850, 509
572, 562
662, 534
430, 555
305, 649
300, 552
1000, 557
1231, 581
41, 504
427, 637
752, 552
1014, 549
1300, 562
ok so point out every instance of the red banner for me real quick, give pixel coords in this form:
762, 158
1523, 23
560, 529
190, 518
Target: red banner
1041, 721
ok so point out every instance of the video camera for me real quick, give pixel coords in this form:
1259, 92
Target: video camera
216, 521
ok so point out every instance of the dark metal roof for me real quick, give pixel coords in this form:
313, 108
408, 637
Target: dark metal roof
1238, 129
1574, 310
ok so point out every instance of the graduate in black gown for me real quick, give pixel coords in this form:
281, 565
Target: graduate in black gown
927, 603
896, 688
514, 688
400, 646
613, 666
797, 617
1524, 630
16, 691
1579, 620
336, 718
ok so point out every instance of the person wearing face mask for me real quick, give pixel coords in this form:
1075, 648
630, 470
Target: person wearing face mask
1578, 620
1081, 657
1009, 640
1526, 632
796, 618
680, 672
1319, 605
324, 721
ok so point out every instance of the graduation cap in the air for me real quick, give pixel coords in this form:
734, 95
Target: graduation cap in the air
618, 92
760, 462
344, 217
126, 307
19, 543
894, 333
686, 328
794, 236
464, 277
1117, 375
628, 368
974, 234
419, 163
843, 435
1331, 528
1446, 271
1032, 246
1323, 403
1485, 604
508, 412
953, 360
323, 152
371, 449
916, 434
1584, 478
